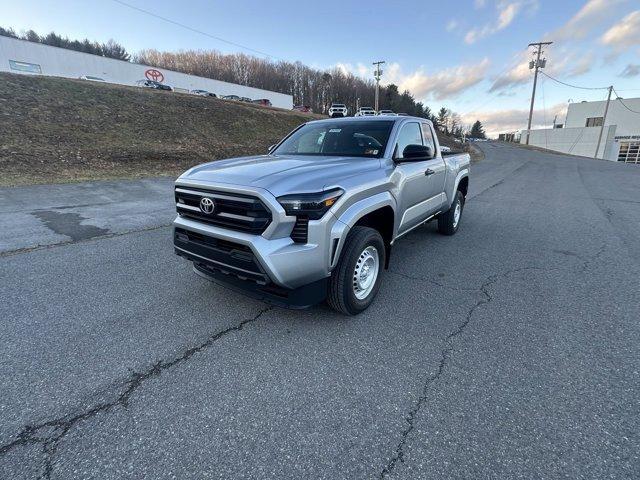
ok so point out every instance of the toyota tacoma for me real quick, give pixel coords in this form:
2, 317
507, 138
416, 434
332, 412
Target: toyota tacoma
316, 218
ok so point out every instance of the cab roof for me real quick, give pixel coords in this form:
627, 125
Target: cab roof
381, 118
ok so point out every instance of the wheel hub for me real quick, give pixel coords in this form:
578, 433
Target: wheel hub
456, 214
366, 272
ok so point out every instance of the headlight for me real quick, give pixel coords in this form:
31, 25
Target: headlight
312, 205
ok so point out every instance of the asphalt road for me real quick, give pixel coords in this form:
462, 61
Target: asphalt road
511, 350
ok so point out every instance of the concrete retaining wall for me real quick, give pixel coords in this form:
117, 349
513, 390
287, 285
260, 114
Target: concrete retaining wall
575, 141
20, 56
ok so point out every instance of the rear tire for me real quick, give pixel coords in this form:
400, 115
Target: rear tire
449, 221
356, 279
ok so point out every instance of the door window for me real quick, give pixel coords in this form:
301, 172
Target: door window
409, 135
427, 135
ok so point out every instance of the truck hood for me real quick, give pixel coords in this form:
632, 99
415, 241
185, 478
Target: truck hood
282, 174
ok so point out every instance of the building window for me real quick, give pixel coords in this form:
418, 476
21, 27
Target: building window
24, 66
629, 152
594, 122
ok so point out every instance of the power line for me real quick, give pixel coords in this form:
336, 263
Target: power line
624, 104
168, 20
573, 86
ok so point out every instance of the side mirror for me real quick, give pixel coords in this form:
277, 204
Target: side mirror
416, 153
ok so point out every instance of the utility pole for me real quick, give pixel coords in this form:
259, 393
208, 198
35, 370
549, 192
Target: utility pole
604, 119
537, 64
377, 75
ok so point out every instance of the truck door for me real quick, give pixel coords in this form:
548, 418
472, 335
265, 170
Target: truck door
421, 184
436, 165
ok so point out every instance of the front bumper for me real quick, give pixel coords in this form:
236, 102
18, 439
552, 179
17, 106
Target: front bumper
301, 297
282, 273
281, 260
270, 261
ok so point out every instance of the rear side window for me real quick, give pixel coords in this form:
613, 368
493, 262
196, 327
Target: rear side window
409, 135
427, 135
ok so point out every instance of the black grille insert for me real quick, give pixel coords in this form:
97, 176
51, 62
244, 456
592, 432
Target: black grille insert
239, 212
228, 257
300, 233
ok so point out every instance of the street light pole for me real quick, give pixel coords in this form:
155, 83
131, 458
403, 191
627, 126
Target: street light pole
537, 65
377, 75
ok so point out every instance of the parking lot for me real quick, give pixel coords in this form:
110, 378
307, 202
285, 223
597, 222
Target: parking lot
510, 350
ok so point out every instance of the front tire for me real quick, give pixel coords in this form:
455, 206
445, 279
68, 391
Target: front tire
449, 221
356, 279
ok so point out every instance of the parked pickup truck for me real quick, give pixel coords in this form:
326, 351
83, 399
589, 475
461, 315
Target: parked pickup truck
316, 218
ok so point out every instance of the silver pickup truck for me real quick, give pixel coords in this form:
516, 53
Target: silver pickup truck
315, 219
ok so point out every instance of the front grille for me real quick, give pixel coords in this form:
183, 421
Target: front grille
300, 231
243, 213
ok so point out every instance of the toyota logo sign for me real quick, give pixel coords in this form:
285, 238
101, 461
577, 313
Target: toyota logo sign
207, 205
155, 75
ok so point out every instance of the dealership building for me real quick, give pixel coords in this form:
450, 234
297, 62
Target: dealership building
579, 135
30, 58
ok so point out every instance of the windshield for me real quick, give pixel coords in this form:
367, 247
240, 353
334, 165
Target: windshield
353, 139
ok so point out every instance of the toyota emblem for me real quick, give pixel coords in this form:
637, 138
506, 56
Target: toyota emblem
155, 75
207, 205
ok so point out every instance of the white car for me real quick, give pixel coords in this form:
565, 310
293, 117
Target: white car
387, 113
365, 112
91, 78
203, 93
338, 110
445, 149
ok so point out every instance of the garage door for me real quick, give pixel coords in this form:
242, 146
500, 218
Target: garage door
629, 152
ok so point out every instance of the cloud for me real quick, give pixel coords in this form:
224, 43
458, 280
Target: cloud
479, 3
561, 61
451, 25
564, 58
507, 12
630, 71
439, 85
590, 16
624, 34
509, 120
423, 85
578, 66
359, 69
516, 75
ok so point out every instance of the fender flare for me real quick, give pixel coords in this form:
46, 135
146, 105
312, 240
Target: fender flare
461, 174
349, 217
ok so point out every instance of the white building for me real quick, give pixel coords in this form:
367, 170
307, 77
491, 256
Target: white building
620, 136
21, 56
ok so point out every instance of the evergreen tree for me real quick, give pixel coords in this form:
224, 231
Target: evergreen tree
443, 120
110, 49
477, 130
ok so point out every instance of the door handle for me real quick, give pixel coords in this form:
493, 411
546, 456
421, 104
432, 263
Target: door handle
428, 172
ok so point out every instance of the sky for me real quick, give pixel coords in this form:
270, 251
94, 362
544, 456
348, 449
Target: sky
470, 56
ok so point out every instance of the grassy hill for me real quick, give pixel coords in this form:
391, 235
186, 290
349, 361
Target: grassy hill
57, 130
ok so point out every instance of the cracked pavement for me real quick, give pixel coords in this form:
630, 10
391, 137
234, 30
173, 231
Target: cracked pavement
510, 350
